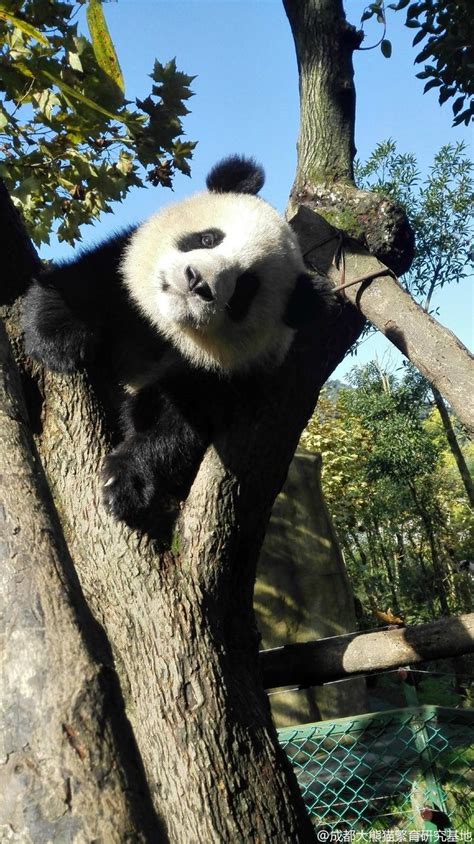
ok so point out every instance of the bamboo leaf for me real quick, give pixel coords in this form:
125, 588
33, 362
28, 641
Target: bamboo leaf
102, 45
25, 27
67, 89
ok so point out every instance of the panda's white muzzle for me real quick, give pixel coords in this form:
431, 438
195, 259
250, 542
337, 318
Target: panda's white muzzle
195, 292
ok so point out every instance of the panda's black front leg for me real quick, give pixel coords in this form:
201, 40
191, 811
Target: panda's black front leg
151, 471
56, 332
66, 308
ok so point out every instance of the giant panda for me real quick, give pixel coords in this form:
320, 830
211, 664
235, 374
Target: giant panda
205, 295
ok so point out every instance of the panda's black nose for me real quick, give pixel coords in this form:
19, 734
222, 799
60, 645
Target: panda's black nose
197, 284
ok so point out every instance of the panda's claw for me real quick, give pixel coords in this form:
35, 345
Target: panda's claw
126, 492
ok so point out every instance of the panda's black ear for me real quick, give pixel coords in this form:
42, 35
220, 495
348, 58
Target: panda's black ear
312, 300
236, 174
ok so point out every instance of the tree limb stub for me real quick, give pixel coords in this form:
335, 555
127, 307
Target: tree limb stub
432, 348
327, 660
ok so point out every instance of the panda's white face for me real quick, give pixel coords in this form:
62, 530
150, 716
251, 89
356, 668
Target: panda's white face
214, 273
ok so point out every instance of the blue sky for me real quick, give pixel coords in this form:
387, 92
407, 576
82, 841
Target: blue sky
246, 101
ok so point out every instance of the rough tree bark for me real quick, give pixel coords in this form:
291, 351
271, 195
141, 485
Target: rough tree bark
60, 702
433, 349
181, 622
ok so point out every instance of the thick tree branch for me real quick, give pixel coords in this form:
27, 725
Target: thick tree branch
165, 616
181, 623
61, 705
339, 657
324, 183
431, 347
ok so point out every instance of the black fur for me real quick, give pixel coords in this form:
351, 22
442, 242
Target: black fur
311, 301
208, 239
246, 288
80, 312
236, 174
64, 310
167, 428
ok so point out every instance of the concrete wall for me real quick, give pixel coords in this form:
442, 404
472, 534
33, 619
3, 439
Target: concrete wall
302, 591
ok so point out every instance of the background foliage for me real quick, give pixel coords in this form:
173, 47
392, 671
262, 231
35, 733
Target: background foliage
445, 34
439, 207
395, 494
390, 476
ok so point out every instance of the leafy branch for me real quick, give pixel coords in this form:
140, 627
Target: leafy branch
445, 31
71, 143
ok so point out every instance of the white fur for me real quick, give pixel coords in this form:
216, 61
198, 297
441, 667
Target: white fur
256, 239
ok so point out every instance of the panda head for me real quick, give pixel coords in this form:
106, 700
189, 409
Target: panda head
217, 274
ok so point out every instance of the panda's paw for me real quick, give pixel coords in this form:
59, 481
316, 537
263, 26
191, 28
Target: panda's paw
65, 352
128, 487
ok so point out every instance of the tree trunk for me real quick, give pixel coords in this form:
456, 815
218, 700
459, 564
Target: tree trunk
180, 622
332, 240
324, 43
66, 742
454, 445
438, 570
433, 349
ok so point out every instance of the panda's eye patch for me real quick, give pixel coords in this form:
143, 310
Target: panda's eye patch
200, 240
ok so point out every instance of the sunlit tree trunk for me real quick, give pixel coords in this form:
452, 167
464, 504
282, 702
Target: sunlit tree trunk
438, 568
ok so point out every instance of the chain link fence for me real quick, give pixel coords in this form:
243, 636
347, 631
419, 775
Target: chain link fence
378, 771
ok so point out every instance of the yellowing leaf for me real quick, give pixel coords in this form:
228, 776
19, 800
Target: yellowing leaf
74, 61
68, 89
29, 30
102, 45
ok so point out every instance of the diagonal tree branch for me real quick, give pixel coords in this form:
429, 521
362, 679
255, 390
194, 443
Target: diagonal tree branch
431, 347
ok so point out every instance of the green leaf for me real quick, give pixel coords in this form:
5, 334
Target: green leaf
402, 4
386, 48
433, 83
418, 37
458, 104
25, 27
445, 94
